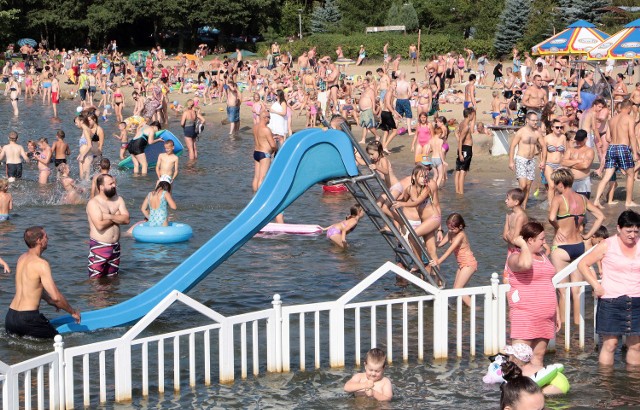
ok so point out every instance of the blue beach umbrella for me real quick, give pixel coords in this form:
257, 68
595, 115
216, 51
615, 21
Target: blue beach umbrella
578, 38
624, 45
28, 41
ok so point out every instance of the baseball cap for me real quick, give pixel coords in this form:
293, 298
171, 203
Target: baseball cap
521, 351
581, 135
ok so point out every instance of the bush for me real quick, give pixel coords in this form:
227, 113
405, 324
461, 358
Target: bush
398, 44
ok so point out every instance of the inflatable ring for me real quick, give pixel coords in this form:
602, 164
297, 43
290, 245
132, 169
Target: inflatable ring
334, 189
174, 232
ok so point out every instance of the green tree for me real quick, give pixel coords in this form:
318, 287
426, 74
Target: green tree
289, 23
402, 15
543, 22
359, 14
326, 17
510, 30
589, 10
9, 16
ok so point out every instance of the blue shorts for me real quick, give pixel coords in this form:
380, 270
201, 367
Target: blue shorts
403, 106
619, 156
414, 55
618, 316
494, 114
233, 114
468, 104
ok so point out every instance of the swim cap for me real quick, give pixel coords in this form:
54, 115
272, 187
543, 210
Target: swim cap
520, 350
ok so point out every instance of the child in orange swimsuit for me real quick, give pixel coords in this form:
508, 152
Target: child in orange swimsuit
467, 264
337, 232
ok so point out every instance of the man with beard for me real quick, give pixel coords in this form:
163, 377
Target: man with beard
106, 212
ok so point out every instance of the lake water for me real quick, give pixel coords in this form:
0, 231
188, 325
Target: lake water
301, 269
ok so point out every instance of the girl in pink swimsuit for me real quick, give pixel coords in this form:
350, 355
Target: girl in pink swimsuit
337, 233
421, 139
467, 264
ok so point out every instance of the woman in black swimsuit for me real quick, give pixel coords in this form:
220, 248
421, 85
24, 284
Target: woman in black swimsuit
146, 135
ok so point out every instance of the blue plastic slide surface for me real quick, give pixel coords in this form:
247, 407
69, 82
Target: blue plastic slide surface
308, 157
153, 151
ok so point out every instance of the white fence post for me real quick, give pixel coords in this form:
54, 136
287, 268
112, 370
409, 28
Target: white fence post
58, 399
122, 359
336, 336
10, 394
274, 337
494, 313
226, 357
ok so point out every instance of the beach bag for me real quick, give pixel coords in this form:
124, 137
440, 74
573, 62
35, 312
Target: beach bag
199, 127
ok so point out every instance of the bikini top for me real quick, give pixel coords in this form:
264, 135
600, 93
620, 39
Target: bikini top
95, 137
553, 148
578, 217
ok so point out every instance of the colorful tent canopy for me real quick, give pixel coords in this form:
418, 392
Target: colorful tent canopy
624, 45
578, 38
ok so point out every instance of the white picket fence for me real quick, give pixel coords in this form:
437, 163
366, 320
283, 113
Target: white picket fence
276, 339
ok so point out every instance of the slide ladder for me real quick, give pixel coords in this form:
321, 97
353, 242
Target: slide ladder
366, 188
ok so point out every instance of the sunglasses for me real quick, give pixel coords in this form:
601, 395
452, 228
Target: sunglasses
559, 128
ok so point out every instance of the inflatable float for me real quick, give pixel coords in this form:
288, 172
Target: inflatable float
172, 233
154, 150
290, 229
334, 189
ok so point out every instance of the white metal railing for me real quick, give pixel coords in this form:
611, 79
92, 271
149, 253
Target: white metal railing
325, 333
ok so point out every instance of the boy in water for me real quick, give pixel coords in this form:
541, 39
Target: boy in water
105, 166
6, 200
514, 221
167, 166
372, 382
123, 138
13, 154
60, 149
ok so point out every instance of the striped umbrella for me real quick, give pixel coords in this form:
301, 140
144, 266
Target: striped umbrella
624, 45
578, 38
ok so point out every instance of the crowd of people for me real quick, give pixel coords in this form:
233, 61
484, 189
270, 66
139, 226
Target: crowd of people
564, 131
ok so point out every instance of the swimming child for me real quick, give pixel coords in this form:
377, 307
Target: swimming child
32, 148
60, 149
420, 143
123, 138
600, 235
167, 166
6, 200
154, 206
337, 232
44, 158
72, 192
372, 383
513, 223
467, 264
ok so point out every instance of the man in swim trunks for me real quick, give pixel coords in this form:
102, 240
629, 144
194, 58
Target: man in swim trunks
13, 154
264, 148
470, 92
535, 97
55, 94
367, 104
403, 104
106, 212
523, 164
579, 159
383, 83
465, 147
33, 283
621, 152
233, 107
413, 55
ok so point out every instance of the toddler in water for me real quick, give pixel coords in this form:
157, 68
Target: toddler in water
467, 264
6, 200
372, 382
123, 138
337, 232
72, 193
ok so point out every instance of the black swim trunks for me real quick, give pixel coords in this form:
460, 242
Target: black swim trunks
14, 170
57, 161
387, 123
467, 154
29, 323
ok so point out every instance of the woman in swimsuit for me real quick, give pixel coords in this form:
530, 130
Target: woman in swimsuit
467, 264
586, 91
44, 158
84, 155
555, 144
188, 123
118, 103
145, 136
420, 143
567, 213
441, 130
423, 195
620, 91
425, 98
337, 233
14, 93
154, 206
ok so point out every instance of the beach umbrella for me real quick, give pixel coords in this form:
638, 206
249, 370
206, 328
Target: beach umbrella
624, 45
28, 41
138, 55
245, 53
578, 38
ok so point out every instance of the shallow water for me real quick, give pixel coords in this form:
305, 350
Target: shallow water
301, 269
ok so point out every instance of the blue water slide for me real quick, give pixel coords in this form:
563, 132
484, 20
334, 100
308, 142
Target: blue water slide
308, 157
